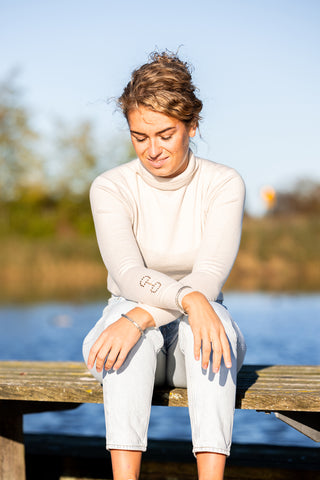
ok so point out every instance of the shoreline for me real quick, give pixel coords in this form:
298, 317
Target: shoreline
57, 278
18, 299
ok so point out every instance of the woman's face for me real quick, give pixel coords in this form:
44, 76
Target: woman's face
161, 142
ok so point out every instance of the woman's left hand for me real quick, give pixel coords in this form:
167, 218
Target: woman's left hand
115, 342
208, 331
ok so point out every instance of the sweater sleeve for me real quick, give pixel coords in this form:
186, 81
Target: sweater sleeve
218, 248
221, 239
121, 254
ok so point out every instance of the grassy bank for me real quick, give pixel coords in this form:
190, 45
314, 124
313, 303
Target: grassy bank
279, 254
276, 254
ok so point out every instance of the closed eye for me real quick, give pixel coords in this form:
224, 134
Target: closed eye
139, 139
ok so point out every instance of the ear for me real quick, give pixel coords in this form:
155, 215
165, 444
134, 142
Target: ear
192, 130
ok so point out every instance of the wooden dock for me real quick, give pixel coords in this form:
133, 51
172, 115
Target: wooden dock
291, 392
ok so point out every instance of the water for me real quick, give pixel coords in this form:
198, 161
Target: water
279, 329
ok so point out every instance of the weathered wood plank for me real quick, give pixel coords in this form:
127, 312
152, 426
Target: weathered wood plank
307, 423
12, 463
274, 388
26, 385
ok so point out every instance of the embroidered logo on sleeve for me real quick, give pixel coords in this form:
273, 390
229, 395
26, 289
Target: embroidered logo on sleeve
154, 287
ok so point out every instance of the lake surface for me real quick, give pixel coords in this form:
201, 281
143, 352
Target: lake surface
279, 329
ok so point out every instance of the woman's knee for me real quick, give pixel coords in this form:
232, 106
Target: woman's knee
142, 355
111, 313
233, 333
149, 345
226, 321
185, 331
186, 339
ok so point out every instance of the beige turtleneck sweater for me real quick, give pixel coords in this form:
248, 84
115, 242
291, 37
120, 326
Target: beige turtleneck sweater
158, 234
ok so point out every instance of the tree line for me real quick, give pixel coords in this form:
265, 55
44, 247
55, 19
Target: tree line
44, 181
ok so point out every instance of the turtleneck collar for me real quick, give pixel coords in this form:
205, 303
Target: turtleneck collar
173, 183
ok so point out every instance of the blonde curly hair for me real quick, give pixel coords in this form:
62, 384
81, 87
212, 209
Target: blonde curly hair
163, 84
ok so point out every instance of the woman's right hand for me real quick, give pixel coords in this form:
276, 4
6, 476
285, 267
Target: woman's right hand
208, 331
115, 342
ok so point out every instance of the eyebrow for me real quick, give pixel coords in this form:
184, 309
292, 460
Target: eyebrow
158, 133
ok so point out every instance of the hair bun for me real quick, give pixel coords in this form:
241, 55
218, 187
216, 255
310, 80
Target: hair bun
163, 84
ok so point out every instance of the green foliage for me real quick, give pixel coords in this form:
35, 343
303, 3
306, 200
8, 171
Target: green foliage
20, 166
76, 159
47, 195
293, 239
40, 217
303, 199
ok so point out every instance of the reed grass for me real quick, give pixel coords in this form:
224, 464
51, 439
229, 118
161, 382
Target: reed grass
276, 254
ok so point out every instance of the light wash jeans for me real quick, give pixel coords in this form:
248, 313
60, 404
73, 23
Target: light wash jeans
165, 356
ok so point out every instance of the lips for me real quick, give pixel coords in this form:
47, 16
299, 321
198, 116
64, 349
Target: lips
158, 163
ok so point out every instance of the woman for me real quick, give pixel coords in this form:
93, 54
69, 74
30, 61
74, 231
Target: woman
168, 226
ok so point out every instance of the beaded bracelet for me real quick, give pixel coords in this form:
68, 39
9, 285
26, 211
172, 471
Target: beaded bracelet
134, 323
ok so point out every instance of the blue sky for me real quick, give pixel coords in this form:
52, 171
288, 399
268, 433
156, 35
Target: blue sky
256, 63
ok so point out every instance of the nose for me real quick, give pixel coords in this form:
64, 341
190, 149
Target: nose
154, 149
